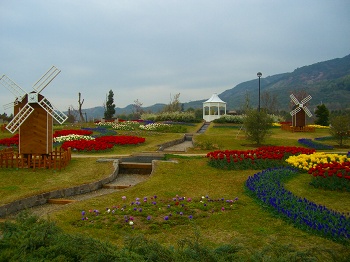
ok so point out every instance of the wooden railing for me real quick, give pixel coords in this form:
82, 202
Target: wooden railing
57, 159
298, 128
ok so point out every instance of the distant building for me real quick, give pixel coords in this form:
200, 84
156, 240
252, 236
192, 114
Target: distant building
213, 108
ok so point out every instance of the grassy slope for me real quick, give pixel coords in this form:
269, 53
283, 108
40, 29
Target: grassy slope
249, 225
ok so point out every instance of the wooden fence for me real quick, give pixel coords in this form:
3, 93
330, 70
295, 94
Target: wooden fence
57, 159
298, 128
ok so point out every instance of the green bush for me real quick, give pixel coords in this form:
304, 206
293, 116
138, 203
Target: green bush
170, 116
234, 119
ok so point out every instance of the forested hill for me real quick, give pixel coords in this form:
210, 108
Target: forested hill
327, 82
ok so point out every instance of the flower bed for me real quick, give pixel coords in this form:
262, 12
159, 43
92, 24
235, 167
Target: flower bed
151, 213
260, 158
306, 162
11, 141
67, 132
315, 145
332, 176
329, 171
61, 139
267, 187
102, 143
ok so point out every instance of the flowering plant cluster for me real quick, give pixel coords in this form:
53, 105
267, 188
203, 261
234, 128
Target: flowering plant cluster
306, 162
267, 187
332, 176
61, 139
154, 127
102, 143
318, 126
124, 125
260, 158
151, 212
100, 131
312, 144
67, 132
329, 171
10, 141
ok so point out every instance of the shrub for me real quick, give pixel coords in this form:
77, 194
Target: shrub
257, 125
234, 119
171, 116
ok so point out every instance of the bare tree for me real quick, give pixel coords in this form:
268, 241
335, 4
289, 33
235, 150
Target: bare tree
174, 105
137, 108
80, 105
269, 102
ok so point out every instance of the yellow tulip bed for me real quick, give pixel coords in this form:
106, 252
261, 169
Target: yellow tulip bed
330, 171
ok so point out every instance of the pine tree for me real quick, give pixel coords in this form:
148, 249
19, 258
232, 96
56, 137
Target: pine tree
110, 106
322, 114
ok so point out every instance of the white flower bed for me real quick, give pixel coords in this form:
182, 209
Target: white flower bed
153, 127
62, 139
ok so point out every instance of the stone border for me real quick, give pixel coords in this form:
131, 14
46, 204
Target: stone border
43, 198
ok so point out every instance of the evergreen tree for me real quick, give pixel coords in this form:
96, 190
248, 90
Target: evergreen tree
322, 114
110, 106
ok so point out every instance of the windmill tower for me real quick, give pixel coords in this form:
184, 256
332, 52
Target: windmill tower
33, 115
300, 111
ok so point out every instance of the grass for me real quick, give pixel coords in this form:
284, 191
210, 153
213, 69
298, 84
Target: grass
20, 183
249, 225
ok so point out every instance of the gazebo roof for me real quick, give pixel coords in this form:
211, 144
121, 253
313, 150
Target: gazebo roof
214, 99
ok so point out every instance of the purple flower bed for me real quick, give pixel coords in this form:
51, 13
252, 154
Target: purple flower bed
267, 187
315, 145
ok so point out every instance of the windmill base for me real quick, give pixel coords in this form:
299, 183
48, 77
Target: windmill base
57, 159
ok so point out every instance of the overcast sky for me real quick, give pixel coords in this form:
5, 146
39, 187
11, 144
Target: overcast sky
153, 49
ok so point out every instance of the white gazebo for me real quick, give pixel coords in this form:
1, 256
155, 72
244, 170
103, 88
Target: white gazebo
213, 108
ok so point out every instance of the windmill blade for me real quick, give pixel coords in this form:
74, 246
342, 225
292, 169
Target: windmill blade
296, 110
21, 116
307, 111
15, 89
46, 79
294, 99
9, 105
54, 112
306, 99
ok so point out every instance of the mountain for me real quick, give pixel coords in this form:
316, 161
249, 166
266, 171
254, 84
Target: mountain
98, 112
327, 82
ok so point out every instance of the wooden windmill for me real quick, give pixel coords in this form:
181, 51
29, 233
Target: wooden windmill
300, 111
33, 115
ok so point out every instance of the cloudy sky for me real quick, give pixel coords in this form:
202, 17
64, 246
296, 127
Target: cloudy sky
151, 50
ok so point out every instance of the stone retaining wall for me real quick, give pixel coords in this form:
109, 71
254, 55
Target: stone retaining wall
41, 199
171, 143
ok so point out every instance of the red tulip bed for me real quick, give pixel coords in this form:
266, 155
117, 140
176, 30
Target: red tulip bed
11, 141
332, 176
100, 143
260, 158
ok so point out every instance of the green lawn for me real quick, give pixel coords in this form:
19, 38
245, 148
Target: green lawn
248, 225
